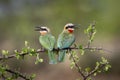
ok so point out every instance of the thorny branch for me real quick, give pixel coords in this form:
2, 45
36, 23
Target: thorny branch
21, 54
39, 51
95, 70
84, 76
77, 66
14, 74
17, 73
91, 33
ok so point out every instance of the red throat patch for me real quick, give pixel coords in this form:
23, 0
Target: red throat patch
70, 30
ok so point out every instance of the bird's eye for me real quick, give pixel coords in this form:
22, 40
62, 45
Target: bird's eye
67, 27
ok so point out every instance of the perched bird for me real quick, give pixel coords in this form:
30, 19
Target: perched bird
65, 40
47, 40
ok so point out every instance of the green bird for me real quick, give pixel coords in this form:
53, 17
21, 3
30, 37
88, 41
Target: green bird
47, 40
65, 40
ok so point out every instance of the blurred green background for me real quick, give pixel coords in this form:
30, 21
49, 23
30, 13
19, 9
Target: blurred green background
19, 17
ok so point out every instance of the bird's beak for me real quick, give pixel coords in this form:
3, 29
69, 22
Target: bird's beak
37, 28
77, 25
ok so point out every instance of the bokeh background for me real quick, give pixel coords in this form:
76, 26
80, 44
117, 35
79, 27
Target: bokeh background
19, 17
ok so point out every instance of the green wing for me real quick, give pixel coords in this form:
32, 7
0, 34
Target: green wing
47, 41
65, 41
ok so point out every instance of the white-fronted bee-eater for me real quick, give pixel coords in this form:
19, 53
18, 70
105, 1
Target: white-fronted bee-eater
47, 40
65, 40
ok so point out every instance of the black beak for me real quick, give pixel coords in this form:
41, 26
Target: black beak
77, 25
37, 28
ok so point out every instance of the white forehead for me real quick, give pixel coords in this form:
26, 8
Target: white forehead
43, 27
69, 24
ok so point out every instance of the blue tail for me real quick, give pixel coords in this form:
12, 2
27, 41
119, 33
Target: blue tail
52, 59
61, 55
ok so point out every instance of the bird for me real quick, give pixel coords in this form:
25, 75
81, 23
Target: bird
65, 40
47, 40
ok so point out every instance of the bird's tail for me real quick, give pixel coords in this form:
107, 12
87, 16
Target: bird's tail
52, 58
61, 55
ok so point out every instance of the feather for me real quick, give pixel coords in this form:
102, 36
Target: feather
48, 42
65, 40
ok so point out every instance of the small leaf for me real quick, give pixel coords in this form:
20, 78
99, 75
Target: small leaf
2, 69
88, 69
26, 43
89, 78
80, 47
18, 56
72, 64
99, 71
107, 67
97, 63
82, 52
104, 61
40, 60
5, 52
32, 76
95, 74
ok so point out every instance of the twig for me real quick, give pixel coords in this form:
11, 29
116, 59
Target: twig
3, 77
95, 70
91, 33
77, 66
21, 54
17, 73
84, 76
38, 51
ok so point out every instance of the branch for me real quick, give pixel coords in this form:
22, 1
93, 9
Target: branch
17, 73
77, 66
95, 70
21, 54
91, 32
84, 76
4, 74
39, 51
3, 77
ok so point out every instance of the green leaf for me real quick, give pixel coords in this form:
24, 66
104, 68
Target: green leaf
38, 59
26, 43
5, 52
72, 64
97, 63
32, 76
89, 78
88, 69
107, 67
80, 47
82, 51
32, 52
95, 74
2, 69
104, 61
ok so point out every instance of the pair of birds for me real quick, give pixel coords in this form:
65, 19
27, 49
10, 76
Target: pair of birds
65, 40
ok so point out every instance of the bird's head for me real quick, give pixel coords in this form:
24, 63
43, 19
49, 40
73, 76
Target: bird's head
69, 28
43, 30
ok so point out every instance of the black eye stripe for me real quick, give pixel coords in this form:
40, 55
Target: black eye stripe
69, 27
43, 29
